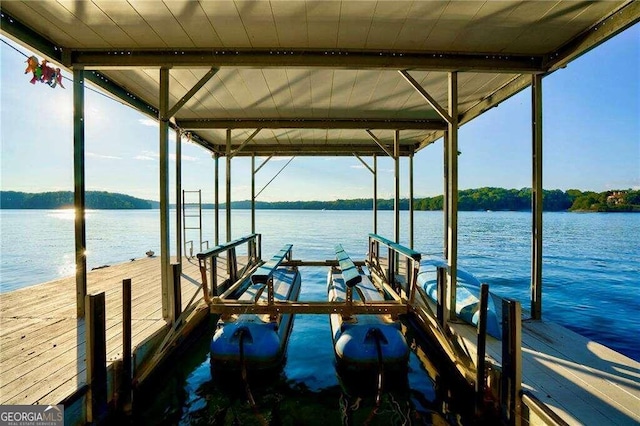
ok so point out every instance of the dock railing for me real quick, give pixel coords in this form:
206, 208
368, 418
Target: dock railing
210, 256
264, 274
399, 284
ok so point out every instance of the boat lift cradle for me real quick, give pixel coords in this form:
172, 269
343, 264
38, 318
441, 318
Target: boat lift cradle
258, 340
362, 342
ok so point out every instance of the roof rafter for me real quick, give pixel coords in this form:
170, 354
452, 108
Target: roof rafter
331, 148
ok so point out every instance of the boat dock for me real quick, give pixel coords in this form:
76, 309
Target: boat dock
372, 80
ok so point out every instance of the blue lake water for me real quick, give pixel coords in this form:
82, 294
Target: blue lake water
591, 281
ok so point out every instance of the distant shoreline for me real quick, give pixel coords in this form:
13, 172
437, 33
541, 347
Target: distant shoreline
173, 207
482, 199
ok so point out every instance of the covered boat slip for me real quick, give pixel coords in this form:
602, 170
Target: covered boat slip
363, 78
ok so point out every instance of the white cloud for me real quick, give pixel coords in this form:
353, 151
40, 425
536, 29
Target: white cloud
153, 156
148, 122
172, 157
274, 158
108, 157
357, 166
146, 156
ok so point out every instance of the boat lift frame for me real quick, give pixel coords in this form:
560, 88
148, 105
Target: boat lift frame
400, 289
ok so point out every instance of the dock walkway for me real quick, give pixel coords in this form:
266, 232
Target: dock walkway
42, 344
581, 381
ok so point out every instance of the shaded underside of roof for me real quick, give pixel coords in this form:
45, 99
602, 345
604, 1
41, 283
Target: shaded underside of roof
317, 77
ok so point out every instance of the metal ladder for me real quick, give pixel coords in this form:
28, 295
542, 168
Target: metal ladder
192, 221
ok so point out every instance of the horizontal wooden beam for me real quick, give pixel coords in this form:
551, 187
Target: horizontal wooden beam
308, 58
220, 306
311, 123
335, 148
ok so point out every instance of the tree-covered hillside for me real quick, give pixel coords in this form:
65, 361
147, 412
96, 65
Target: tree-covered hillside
469, 199
479, 199
64, 199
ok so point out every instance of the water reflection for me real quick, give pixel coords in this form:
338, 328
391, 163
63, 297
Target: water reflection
67, 265
190, 392
63, 214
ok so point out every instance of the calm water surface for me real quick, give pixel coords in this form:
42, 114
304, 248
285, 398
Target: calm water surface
591, 284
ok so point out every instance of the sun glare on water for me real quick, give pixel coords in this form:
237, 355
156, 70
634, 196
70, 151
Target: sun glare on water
66, 213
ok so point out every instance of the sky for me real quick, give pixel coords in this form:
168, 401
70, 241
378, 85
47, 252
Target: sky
591, 134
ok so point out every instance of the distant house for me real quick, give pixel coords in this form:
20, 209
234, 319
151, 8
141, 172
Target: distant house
616, 198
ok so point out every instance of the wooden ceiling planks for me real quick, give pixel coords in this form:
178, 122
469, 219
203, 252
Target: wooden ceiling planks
195, 23
488, 27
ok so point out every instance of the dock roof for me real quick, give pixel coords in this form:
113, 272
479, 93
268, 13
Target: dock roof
318, 77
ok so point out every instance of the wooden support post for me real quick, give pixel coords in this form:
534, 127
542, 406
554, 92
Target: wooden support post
411, 206
79, 190
165, 249
177, 292
375, 194
412, 278
127, 372
232, 265
214, 275
96, 355
228, 185
396, 180
407, 275
511, 387
441, 286
482, 347
452, 196
216, 201
253, 251
445, 195
536, 198
391, 273
179, 197
259, 243
253, 193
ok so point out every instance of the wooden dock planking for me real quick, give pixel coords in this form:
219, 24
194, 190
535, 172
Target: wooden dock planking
36, 353
607, 389
42, 356
582, 381
34, 331
17, 302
